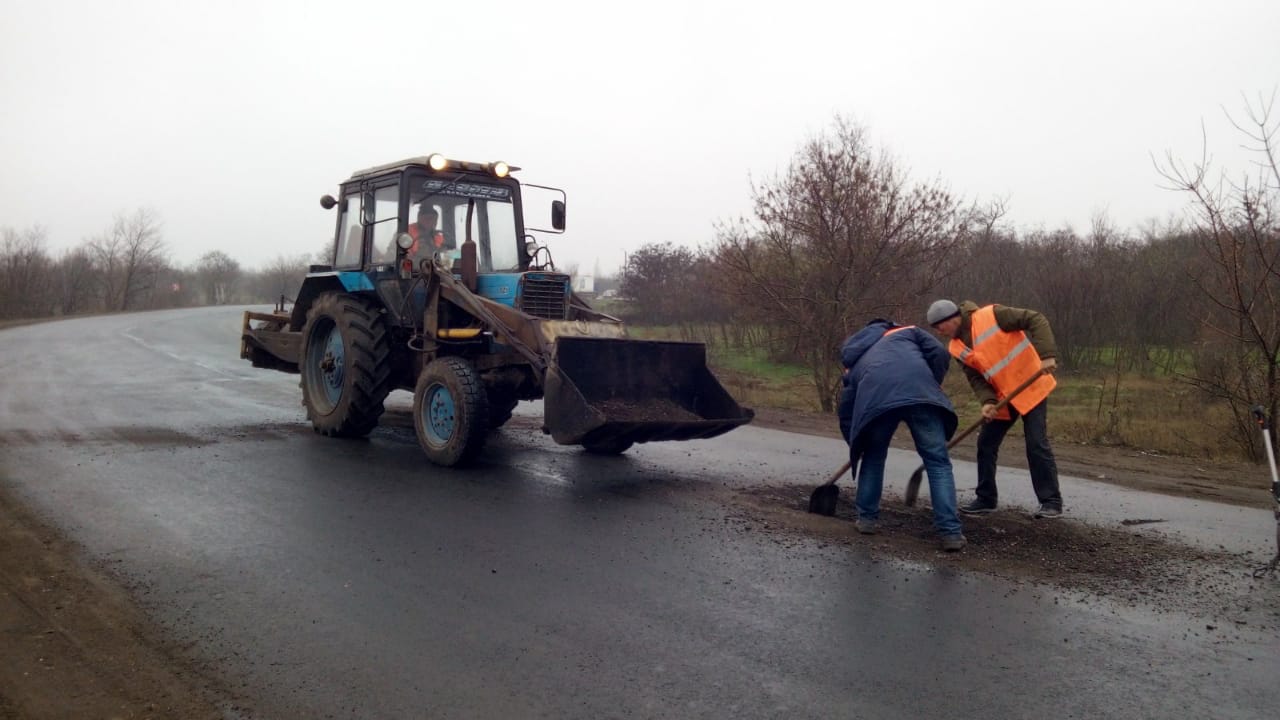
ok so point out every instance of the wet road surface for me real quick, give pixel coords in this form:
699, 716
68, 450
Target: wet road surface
329, 578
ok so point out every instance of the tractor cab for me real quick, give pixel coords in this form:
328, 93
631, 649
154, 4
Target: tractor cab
394, 218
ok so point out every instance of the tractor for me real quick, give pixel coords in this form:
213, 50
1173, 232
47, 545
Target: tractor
436, 287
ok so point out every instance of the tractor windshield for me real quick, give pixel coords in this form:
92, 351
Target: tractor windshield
439, 206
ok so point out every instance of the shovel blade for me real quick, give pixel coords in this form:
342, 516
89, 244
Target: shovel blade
823, 500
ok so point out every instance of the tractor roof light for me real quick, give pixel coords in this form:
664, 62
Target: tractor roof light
437, 161
499, 169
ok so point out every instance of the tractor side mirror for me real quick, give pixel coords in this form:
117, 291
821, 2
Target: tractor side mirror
327, 202
557, 214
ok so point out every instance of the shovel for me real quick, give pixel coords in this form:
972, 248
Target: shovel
823, 499
913, 484
1260, 416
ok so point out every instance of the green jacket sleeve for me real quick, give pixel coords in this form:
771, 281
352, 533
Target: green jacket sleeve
1034, 324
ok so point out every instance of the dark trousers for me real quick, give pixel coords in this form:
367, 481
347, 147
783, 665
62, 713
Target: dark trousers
1040, 461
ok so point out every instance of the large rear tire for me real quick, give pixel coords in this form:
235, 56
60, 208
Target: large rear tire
346, 365
450, 411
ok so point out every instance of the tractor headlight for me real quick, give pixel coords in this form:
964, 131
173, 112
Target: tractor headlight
500, 169
531, 248
437, 161
404, 241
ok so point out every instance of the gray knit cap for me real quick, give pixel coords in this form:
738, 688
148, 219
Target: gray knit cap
941, 310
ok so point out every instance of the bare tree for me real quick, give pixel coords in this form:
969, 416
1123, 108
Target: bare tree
1234, 222
661, 281
24, 273
283, 276
839, 238
129, 254
325, 254
218, 274
75, 282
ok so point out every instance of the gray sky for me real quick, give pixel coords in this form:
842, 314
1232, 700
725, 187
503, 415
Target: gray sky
232, 118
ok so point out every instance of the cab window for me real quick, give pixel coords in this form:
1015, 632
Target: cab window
386, 210
493, 221
350, 234
500, 229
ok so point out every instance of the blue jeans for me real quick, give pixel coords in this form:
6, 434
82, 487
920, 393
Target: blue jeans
925, 423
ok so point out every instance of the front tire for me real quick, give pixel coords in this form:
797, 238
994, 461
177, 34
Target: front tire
346, 365
450, 411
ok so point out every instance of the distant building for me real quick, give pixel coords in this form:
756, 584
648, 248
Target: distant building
584, 284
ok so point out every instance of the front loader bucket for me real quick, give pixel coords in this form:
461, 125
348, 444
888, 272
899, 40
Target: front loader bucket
605, 390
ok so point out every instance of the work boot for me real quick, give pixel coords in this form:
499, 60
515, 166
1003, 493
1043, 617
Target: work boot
867, 527
978, 506
953, 543
1047, 511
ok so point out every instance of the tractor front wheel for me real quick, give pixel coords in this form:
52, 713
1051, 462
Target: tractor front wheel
450, 411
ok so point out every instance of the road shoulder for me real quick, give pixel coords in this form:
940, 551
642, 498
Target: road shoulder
74, 644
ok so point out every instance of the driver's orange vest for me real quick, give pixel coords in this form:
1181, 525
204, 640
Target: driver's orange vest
416, 233
1005, 359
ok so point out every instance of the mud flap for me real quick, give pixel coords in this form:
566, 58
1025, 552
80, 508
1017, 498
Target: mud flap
605, 390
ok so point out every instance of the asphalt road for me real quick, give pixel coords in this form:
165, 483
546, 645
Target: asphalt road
330, 578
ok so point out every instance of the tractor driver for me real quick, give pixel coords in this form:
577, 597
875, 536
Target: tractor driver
426, 238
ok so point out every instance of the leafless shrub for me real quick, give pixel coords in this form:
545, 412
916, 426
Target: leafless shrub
1234, 224
842, 236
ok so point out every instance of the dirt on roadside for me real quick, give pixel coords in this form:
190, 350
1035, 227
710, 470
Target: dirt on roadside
76, 645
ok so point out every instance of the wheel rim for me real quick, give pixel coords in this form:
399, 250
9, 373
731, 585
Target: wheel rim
327, 359
439, 418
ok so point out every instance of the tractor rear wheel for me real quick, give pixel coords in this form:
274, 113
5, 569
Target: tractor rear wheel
450, 411
346, 365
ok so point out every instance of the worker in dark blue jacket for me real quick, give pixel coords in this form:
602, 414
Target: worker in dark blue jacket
894, 374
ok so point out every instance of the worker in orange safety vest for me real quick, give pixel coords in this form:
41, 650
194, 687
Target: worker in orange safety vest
1001, 347
425, 227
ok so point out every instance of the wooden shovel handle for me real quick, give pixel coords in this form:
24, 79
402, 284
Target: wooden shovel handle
999, 406
964, 434
836, 476
913, 483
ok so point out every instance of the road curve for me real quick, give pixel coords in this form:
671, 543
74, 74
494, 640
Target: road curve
328, 578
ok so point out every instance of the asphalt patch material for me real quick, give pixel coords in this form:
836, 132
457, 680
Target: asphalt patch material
1130, 567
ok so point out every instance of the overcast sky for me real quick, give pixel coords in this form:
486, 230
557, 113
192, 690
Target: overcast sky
230, 119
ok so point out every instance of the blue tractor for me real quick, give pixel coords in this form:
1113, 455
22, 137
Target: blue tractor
437, 288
